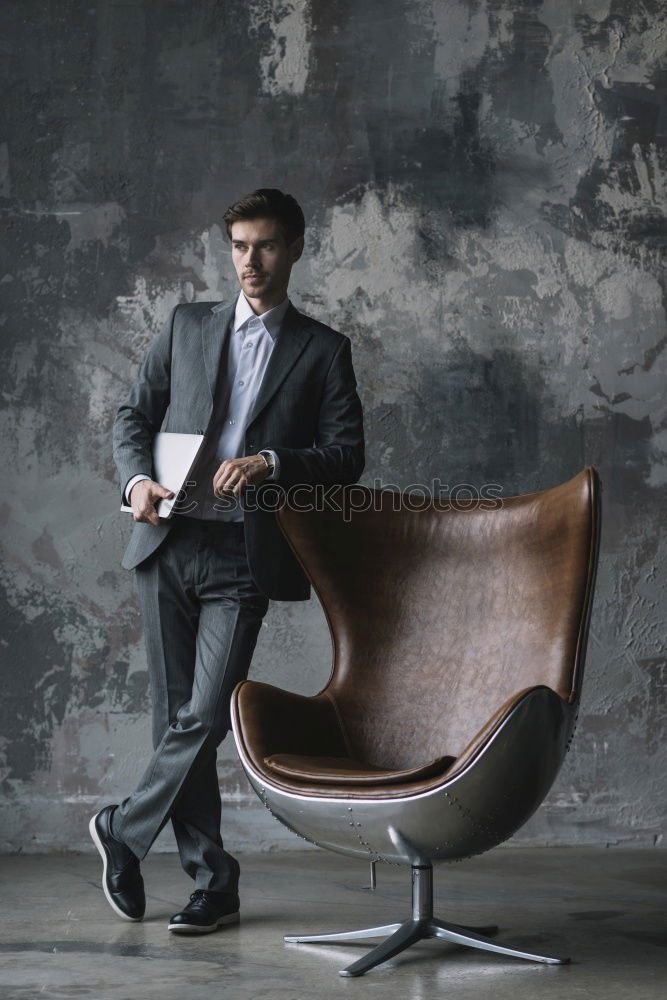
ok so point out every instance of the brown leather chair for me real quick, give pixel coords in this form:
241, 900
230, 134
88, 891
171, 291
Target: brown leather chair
459, 634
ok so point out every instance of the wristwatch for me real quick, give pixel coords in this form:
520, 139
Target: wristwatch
268, 458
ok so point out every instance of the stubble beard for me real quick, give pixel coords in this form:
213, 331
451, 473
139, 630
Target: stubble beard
265, 288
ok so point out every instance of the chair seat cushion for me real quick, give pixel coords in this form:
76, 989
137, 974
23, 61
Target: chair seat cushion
347, 771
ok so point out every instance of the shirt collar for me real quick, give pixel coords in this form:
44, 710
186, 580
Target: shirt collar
271, 319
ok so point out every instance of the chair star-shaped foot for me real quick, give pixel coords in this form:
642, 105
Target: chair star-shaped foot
420, 926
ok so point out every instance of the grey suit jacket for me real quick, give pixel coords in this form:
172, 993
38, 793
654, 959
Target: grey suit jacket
307, 410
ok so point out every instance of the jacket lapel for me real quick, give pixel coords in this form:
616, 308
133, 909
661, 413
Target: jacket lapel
290, 342
215, 328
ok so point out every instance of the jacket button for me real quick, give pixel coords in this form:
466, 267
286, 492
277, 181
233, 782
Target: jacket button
251, 445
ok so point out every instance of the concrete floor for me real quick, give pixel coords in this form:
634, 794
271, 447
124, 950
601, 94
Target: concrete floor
606, 908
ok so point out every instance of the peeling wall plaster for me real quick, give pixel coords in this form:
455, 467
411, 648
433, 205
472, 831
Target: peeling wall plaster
484, 184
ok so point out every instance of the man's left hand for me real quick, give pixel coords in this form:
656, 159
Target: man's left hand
235, 474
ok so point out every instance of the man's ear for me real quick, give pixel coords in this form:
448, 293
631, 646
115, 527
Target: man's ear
296, 249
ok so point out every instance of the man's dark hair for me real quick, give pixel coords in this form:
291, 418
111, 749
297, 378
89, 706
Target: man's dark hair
268, 203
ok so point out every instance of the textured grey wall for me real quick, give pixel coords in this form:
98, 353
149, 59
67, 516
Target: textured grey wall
484, 184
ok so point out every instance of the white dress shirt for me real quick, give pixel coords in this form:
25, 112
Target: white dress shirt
251, 345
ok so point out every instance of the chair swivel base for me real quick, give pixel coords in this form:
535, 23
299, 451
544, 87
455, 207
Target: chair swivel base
421, 925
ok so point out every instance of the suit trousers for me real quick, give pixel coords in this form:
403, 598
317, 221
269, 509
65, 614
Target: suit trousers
202, 612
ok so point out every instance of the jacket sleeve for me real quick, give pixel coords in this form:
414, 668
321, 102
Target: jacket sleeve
338, 455
140, 417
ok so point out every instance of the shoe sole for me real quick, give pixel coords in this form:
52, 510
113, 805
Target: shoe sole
98, 844
229, 918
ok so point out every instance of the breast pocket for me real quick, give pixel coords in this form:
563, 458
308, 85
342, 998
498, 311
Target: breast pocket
295, 387
300, 396
297, 406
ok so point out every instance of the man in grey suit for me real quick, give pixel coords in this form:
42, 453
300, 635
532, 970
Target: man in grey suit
274, 394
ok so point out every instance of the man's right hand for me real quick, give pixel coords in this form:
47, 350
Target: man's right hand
144, 496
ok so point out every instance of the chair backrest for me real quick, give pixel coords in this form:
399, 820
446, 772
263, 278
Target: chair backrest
439, 615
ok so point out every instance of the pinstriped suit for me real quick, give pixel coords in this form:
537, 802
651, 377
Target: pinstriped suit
204, 587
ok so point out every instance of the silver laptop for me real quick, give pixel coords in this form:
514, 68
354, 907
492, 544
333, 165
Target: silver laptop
174, 456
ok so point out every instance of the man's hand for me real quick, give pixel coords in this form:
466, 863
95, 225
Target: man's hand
144, 496
236, 473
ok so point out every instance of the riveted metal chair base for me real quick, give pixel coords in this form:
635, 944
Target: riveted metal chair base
420, 926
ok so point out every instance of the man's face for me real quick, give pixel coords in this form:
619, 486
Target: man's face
263, 260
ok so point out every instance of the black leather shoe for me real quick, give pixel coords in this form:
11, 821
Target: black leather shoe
205, 912
121, 878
